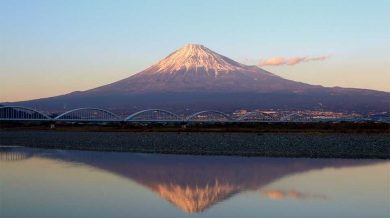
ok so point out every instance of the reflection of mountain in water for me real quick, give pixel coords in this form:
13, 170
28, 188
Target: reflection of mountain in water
194, 199
194, 183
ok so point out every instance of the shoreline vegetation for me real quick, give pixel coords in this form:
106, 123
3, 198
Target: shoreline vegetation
314, 127
309, 140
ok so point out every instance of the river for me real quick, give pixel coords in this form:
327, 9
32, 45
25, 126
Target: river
50, 183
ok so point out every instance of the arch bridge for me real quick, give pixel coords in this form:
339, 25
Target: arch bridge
18, 113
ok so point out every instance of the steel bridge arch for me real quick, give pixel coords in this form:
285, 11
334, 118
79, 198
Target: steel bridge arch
243, 117
59, 117
190, 117
286, 118
45, 117
306, 118
134, 115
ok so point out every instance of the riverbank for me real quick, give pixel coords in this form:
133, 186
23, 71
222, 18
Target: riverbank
222, 127
299, 144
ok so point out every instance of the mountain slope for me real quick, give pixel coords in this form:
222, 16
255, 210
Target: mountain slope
196, 78
197, 68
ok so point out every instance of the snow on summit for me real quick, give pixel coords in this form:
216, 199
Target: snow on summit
196, 57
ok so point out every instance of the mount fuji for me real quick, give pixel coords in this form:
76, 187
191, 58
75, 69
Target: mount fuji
196, 78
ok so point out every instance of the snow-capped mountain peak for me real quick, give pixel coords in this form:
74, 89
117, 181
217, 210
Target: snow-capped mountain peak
196, 57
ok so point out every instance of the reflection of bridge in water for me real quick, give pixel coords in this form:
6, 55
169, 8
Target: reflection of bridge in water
12, 154
17, 113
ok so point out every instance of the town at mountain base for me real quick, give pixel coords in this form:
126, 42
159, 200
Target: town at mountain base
195, 78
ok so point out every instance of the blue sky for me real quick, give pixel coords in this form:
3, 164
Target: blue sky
54, 47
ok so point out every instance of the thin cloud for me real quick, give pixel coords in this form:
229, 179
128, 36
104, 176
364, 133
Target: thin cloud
280, 61
279, 195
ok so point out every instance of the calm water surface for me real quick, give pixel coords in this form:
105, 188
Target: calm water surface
57, 183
